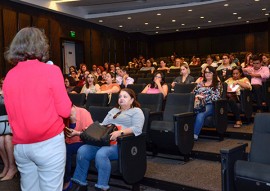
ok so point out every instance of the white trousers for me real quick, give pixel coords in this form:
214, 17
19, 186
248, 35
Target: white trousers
42, 164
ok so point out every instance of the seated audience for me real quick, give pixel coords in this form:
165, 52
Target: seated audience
91, 85
148, 67
247, 63
177, 63
265, 60
184, 77
258, 74
157, 85
234, 60
109, 86
209, 62
225, 69
236, 83
123, 78
83, 78
70, 84
163, 67
130, 117
78, 121
209, 90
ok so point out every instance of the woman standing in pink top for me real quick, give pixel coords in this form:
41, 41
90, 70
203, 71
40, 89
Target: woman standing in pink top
157, 85
36, 109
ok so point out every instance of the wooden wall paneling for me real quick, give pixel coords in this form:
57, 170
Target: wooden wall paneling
55, 42
237, 42
204, 46
179, 47
120, 51
261, 42
9, 29
190, 46
87, 47
42, 23
24, 20
105, 48
96, 40
249, 42
2, 48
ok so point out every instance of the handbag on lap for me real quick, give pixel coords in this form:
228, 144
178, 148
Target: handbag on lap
98, 135
4, 125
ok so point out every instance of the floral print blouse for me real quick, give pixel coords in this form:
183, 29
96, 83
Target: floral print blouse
210, 94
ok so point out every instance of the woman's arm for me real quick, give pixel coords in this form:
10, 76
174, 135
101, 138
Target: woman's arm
97, 87
145, 89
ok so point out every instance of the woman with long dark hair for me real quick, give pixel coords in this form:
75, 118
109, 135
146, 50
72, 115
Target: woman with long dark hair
209, 90
157, 85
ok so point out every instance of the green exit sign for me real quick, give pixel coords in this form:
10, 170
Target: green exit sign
72, 34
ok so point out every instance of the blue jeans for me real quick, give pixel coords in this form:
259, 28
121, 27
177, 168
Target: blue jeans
102, 156
200, 118
71, 150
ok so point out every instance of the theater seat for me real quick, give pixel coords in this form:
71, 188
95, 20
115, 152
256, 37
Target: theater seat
175, 130
131, 165
251, 173
77, 99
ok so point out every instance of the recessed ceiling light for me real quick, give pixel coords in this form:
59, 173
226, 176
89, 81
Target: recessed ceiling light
158, 14
234, 13
183, 24
157, 32
247, 21
209, 21
264, 9
239, 17
202, 17
100, 21
226, 5
190, 10
157, 27
177, 30
266, 14
146, 23
129, 18
198, 27
173, 20
120, 26
256, 0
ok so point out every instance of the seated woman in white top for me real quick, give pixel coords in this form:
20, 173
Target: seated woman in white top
91, 85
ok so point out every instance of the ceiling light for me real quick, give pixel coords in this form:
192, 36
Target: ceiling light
266, 14
129, 18
226, 5
202, 17
158, 14
234, 13
173, 20
157, 27
198, 27
239, 17
120, 26
177, 30
146, 23
256, 0
183, 24
100, 21
264, 9
209, 21
157, 32
247, 21
190, 10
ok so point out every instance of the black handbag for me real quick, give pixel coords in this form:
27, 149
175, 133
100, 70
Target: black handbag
98, 135
199, 105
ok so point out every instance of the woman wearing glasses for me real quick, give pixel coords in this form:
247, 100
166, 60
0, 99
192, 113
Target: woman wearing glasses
209, 90
157, 85
91, 85
130, 117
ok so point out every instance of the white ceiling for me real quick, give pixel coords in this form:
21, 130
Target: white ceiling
115, 13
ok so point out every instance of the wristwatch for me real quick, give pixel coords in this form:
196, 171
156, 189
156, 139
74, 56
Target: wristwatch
122, 132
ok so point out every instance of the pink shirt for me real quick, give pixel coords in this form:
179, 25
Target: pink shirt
36, 101
153, 91
83, 120
263, 71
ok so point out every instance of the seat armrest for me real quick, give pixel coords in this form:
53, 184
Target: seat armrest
184, 131
220, 115
228, 158
132, 157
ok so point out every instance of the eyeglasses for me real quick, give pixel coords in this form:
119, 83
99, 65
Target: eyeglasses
116, 115
208, 72
158, 77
